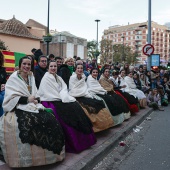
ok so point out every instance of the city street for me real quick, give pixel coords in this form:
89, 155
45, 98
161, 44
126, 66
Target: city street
146, 148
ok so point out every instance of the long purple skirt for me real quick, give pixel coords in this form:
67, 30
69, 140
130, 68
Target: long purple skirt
75, 141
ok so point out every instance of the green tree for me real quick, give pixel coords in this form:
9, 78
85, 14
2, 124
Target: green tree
125, 53
91, 49
3, 46
106, 51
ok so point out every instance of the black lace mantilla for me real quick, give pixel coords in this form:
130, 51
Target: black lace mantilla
73, 115
41, 129
131, 99
115, 103
91, 105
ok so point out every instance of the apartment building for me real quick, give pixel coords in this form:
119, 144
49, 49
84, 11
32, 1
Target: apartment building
135, 35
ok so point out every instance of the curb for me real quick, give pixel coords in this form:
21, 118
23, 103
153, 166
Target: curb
90, 160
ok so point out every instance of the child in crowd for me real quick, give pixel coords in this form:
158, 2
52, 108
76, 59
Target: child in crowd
154, 100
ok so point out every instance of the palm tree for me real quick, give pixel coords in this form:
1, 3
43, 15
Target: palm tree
91, 49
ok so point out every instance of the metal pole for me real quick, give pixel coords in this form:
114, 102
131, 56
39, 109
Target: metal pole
123, 50
97, 20
123, 58
149, 34
48, 25
97, 35
60, 45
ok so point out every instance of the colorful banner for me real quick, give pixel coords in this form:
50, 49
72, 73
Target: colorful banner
11, 60
17, 57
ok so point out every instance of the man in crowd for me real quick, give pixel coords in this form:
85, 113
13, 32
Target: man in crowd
36, 53
59, 63
40, 69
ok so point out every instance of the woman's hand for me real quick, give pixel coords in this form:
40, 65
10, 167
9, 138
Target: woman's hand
31, 99
35, 102
124, 86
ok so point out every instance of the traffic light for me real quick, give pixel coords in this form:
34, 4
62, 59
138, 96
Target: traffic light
168, 65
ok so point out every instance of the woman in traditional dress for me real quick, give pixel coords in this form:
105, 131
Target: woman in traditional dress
133, 107
76, 125
115, 103
119, 102
132, 89
120, 85
94, 108
29, 135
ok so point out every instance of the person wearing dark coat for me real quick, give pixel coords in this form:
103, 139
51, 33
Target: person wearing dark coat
40, 70
37, 53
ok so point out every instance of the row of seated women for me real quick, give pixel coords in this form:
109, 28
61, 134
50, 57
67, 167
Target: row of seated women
34, 133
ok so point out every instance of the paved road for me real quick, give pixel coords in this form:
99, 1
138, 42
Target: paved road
148, 149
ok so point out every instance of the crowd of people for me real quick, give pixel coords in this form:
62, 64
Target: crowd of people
58, 105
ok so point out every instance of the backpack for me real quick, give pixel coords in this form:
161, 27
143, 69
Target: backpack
164, 102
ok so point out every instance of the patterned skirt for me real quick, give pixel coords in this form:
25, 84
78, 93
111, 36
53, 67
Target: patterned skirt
31, 139
97, 113
76, 125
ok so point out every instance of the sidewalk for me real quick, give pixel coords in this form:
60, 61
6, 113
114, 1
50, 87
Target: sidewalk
106, 140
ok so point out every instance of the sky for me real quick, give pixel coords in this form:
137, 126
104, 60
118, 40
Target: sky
78, 16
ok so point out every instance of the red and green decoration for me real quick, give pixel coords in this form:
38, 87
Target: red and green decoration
11, 60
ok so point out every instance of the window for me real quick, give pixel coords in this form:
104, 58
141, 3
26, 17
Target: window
80, 51
70, 50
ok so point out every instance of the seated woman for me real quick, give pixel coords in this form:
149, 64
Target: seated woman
145, 87
115, 108
94, 109
29, 135
76, 125
120, 104
137, 80
132, 89
130, 100
121, 85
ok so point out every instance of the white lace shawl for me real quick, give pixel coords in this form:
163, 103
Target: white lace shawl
78, 88
16, 88
54, 89
94, 86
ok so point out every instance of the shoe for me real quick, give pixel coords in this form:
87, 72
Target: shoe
161, 109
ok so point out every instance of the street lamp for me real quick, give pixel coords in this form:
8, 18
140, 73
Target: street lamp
97, 20
62, 47
123, 57
48, 25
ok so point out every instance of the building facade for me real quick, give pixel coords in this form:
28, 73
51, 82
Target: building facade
17, 37
65, 44
21, 37
135, 35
